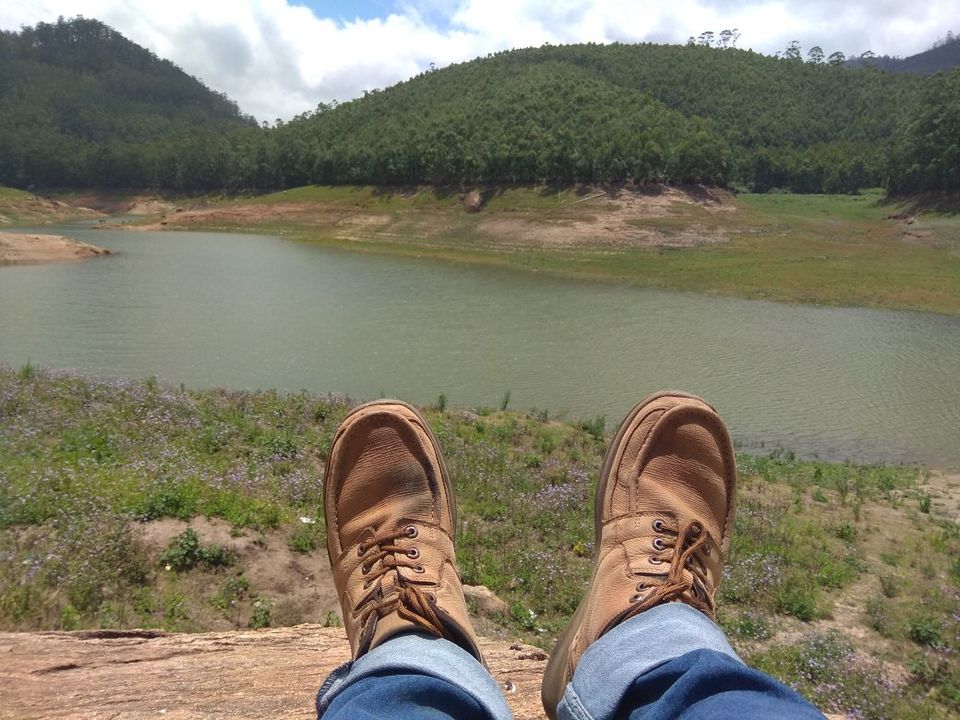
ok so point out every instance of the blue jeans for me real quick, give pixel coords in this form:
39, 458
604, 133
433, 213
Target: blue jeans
668, 662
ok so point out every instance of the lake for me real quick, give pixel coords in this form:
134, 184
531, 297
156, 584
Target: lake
249, 311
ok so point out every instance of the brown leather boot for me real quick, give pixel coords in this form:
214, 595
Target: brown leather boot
664, 513
391, 518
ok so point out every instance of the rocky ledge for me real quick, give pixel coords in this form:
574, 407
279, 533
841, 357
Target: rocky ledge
243, 674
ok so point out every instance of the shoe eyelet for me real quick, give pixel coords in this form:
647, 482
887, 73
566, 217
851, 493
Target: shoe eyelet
696, 529
656, 561
364, 569
658, 525
640, 586
658, 544
366, 584
635, 598
413, 553
410, 531
361, 550
419, 569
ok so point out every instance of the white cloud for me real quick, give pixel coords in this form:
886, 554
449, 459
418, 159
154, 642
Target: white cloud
277, 59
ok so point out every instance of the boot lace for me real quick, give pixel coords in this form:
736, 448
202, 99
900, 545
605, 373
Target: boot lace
683, 549
408, 599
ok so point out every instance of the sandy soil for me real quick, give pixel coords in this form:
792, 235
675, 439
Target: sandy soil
657, 216
22, 249
627, 218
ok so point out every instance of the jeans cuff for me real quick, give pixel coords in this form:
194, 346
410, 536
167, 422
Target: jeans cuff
421, 654
611, 664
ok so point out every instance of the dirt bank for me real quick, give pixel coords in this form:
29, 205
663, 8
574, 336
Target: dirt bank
24, 249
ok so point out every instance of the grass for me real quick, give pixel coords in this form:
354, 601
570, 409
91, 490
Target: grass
12, 194
825, 249
837, 582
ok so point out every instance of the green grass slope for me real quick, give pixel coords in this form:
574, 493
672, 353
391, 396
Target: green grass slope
843, 580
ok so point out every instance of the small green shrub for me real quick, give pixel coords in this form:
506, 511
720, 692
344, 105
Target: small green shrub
819, 496
532, 460
925, 503
847, 532
878, 614
594, 427
304, 538
185, 552
924, 631
262, 609
798, 600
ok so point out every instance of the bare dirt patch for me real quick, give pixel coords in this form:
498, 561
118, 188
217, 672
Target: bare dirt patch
299, 585
625, 218
24, 249
944, 492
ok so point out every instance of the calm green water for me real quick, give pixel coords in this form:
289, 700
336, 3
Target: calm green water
258, 312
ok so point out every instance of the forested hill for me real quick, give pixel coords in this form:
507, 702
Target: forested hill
80, 105
72, 92
642, 113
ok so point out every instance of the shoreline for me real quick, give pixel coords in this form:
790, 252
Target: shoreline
36, 249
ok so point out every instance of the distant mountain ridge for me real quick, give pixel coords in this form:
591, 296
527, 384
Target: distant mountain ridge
943, 57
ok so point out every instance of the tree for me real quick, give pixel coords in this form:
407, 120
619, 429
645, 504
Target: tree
792, 51
706, 38
836, 59
725, 36
815, 55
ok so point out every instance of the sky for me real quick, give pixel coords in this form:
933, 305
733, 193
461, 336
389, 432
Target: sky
279, 58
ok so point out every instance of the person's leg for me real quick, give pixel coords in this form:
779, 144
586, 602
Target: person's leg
643, 642
391, 517
412, 675
631, 672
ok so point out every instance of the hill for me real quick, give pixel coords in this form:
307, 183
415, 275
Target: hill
608, 113
82, 106
78, 100
942, 57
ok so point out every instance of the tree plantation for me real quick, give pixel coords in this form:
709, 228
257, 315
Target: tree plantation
82, 106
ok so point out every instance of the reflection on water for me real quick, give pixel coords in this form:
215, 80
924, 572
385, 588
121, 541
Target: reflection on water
256, 312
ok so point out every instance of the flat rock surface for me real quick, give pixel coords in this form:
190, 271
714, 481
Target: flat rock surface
270, 673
